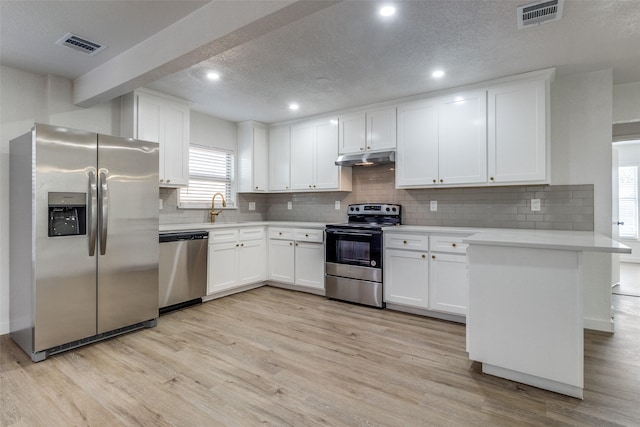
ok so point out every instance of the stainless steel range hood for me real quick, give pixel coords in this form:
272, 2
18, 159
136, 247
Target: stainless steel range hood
367, 159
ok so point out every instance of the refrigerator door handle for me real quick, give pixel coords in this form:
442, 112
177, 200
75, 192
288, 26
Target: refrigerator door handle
104, 212
92, 212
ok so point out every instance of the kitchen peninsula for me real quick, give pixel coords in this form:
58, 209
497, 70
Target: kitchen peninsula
525, 315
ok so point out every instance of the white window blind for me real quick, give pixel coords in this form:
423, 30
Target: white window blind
628, 200
210, 172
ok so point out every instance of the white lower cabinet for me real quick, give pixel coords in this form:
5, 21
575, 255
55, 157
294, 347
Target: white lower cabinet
296, 257
237, 257
427, 272
406, 277
448, 286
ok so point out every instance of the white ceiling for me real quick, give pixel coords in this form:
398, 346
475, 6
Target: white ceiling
340, 56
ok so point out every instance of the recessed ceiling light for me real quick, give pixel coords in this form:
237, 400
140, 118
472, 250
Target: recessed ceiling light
293, 106
387, 11
437, 74
212, 75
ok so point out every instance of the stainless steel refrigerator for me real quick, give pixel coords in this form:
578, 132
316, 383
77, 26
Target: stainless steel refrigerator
83, 238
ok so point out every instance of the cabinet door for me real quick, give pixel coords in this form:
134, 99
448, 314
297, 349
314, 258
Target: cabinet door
302, 157
462, 138
279, 158
448, 287
175, 144
251, 262
352, 133
417, 154
381, 129
406, 278
148, 119
281, 261
517, 132
260, 159
309, 265
327, 174
221, 267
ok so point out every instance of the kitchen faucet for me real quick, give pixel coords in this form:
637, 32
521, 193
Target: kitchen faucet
214, 212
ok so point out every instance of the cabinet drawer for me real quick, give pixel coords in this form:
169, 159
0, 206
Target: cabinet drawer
451, 244
281, 233
406, 241
252, 233
222, 236
316, 236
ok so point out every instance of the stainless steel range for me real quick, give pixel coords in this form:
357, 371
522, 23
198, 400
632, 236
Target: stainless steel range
354, 253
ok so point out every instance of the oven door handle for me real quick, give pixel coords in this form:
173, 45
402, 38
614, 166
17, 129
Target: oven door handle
352, 233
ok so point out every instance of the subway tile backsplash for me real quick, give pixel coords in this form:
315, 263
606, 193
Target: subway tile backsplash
563, 207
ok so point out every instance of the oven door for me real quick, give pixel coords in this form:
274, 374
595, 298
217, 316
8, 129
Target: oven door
355, 247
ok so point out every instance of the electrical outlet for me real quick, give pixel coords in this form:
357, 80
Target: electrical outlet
252, 206
337, 205
159, 203
535, 205
289, 205
433, 205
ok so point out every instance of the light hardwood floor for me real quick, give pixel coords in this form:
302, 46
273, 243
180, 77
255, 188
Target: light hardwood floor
276, 357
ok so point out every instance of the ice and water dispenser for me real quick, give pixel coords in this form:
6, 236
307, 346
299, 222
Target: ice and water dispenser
67, 214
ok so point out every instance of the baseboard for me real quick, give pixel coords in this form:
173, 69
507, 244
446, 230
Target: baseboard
599, 325
290, 287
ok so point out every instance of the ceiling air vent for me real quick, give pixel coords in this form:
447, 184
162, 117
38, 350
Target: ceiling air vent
539, 12
80, 44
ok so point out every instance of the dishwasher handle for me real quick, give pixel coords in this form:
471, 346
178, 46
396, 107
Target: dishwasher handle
179, 236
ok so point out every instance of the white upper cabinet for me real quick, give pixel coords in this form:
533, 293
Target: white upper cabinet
442, 141
462, 138
159, 118
252, 157
352, 133
371, 131
279, 158
314, 149
417, 155
517, 129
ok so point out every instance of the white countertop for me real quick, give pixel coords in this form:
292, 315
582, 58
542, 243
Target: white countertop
548, 239
217, 225
432, 229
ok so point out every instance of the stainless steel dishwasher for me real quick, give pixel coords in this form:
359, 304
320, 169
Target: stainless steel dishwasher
182, 269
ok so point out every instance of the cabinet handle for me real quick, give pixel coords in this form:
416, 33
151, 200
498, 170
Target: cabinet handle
368, 148
168, 180
162, 180
423, 256
256, 187
314, 186
280, 233
361, 149
306, 235
241, 244
296, 244
432, 256
237, 245
453, 244
441, 181
434, 181
309, 185
491, 179
290, 244
404, 242
286, 188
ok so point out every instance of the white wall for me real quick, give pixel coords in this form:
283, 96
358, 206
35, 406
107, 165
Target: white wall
581, 117
630, 155
626, 103
208, 130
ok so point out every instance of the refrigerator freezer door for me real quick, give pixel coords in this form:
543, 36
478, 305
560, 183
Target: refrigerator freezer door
128, 270
64, 272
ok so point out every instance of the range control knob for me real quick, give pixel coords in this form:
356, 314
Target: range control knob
388, 209
394, 209
351, 208
357, 209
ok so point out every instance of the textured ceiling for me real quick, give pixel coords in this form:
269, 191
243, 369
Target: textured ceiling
344, 55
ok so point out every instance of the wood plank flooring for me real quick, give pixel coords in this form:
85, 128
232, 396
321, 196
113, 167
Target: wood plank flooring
276, 357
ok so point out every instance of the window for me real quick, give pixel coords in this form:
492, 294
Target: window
210, 172
628, 201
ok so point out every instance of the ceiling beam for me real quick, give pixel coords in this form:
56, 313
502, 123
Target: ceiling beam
214, 28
